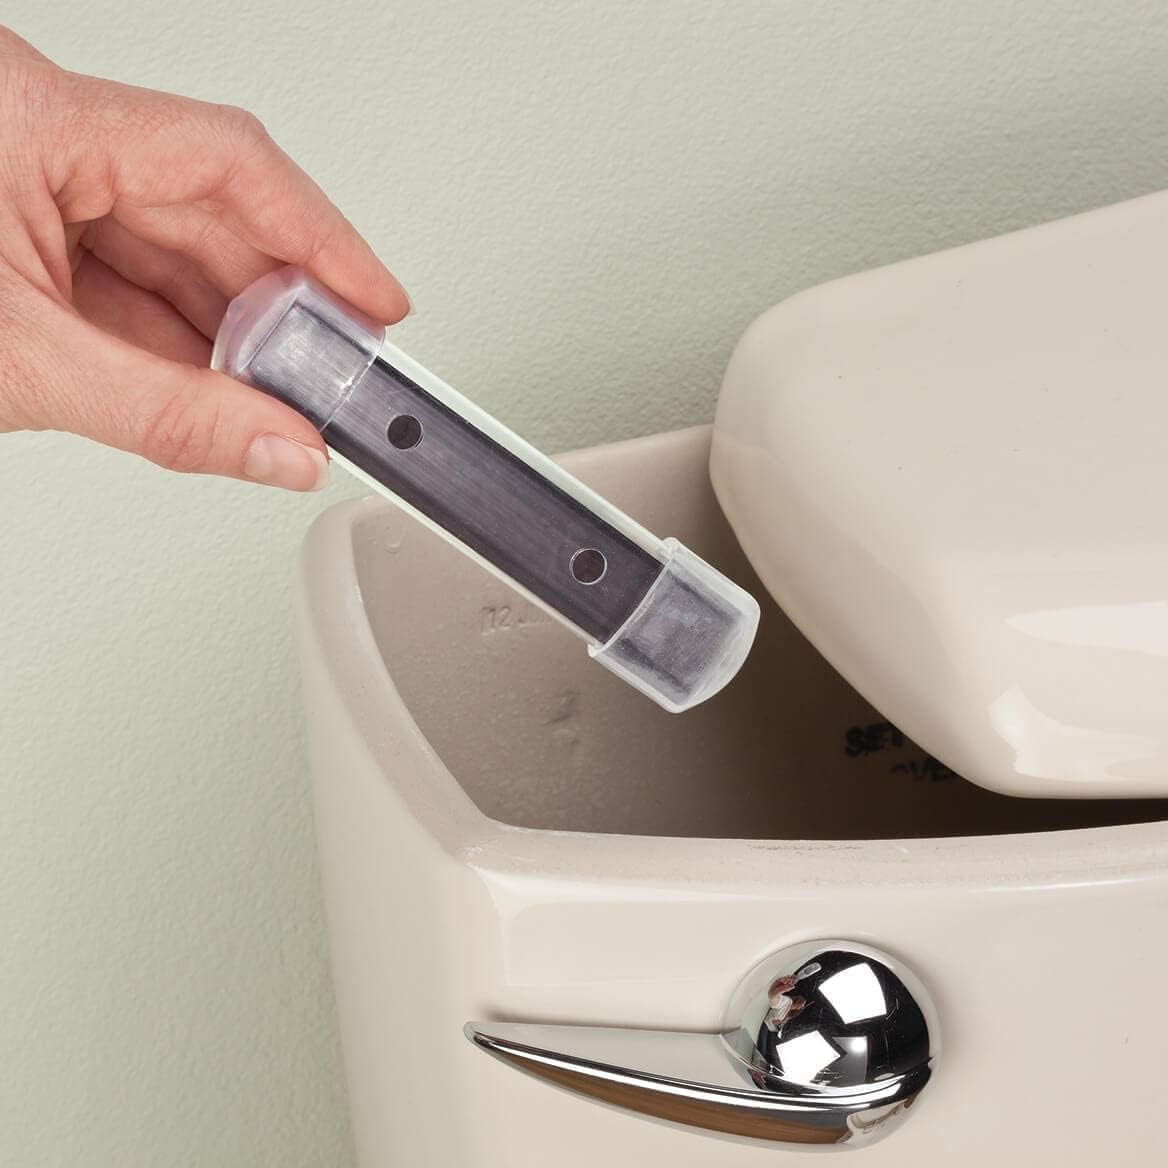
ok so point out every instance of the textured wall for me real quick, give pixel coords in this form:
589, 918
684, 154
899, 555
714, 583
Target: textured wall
588, 201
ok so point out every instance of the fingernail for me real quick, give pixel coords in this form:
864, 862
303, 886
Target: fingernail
284, 462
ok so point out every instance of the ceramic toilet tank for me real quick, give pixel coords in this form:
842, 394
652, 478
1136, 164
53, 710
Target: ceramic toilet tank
660, 922
507, 834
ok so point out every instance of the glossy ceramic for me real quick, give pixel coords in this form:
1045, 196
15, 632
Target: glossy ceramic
509, 834
951, 474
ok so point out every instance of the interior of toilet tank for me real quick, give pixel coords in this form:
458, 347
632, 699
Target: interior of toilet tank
540, 736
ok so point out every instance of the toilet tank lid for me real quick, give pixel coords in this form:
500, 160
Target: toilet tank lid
950, 473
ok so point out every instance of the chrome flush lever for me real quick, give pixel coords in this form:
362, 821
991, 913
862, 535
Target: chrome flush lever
834, 1042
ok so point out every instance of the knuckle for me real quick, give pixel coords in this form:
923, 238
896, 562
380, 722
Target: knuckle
247, 140
245, 127
179, 435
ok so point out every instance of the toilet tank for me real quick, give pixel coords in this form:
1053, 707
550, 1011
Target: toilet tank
509, 835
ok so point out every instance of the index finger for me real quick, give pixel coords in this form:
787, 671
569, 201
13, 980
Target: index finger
271, 203
150, 149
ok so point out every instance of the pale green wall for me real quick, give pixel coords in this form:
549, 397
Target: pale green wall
589, 202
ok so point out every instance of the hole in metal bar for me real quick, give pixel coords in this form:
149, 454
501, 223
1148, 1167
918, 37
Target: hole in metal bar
588, 565
404, 432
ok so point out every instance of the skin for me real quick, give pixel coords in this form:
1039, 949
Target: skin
782, 986
128, 220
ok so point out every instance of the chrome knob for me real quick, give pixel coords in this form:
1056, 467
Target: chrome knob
826, 1043
831, 1016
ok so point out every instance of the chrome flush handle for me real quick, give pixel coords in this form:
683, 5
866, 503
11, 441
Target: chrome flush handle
831, 1044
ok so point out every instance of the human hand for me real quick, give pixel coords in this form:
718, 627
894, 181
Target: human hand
128, 219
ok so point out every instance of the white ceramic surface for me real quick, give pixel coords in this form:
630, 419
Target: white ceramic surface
506, 832
951, 474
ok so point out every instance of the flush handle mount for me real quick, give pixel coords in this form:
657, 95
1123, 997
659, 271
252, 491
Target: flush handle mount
833, 1043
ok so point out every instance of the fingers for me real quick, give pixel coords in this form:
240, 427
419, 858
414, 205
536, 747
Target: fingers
230, 263
273, 204
125, 310
169, 274
181, 417
132, 148
195, 420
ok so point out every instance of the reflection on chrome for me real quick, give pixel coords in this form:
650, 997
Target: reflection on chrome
804, 1057
855, 993
836, 1041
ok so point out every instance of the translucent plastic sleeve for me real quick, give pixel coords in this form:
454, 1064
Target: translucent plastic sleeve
651, 611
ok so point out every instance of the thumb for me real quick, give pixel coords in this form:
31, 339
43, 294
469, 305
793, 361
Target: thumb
179, 416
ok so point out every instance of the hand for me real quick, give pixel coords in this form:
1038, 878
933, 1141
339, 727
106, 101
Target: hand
128, 219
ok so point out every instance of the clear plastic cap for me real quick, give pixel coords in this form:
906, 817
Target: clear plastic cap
689, 635
288, 335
